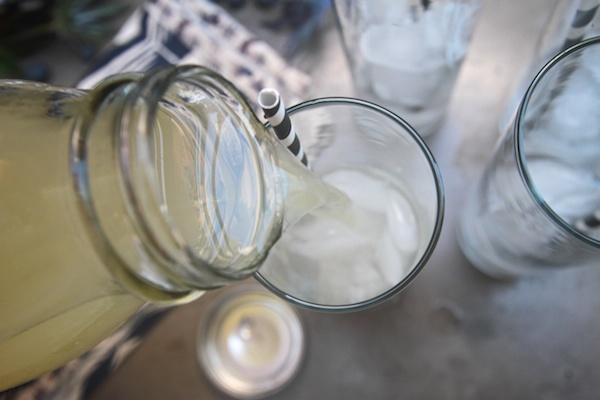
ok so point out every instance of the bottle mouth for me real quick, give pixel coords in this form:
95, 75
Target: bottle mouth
200, 177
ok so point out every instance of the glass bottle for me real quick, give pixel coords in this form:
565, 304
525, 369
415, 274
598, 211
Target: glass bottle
148, 188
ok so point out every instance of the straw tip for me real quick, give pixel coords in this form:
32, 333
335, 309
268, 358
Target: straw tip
268, 98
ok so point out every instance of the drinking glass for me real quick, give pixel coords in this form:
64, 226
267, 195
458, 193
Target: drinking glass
406, 54
536, 206
250, 343
376, 244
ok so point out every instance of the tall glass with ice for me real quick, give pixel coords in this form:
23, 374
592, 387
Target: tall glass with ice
537, 205
406, 54
369, 248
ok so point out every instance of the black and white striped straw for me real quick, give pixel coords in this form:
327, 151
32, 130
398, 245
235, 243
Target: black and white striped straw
580, 26
588, 224
582, 22
274, 109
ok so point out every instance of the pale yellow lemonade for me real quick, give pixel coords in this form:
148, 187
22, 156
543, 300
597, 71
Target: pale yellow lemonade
50, 271
58, 294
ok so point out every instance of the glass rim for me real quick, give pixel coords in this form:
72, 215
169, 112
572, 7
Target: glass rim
437, 228
519, 145
138, 182
138, 178
210, 327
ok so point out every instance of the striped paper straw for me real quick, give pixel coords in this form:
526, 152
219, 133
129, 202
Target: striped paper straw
581, 22
586, 12
588, 224
580, 26
271, 103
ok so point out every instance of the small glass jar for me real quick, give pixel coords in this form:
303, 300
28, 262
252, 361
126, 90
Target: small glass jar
149, 187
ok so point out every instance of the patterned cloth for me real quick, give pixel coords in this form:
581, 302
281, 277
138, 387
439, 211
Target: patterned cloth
198, 32
78, 378
164, 32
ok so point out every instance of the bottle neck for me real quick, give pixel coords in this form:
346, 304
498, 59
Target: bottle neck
179, 181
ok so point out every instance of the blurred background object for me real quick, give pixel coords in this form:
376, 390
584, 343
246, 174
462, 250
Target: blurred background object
27, 26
